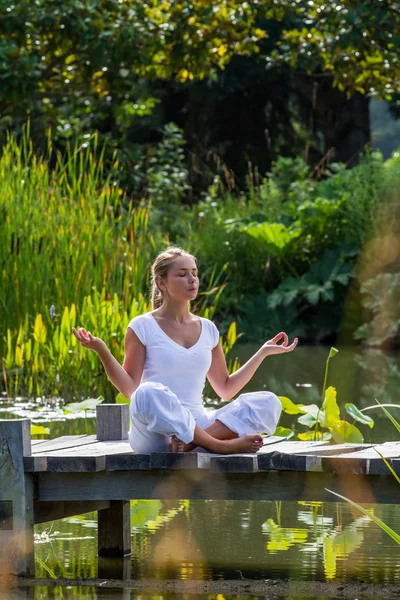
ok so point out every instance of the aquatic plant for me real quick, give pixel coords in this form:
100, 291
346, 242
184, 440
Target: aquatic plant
324, 422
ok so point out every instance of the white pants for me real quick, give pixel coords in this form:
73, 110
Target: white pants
157, 414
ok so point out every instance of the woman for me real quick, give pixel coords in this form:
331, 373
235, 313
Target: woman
168, 354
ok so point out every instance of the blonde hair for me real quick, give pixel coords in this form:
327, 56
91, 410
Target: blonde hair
160, 268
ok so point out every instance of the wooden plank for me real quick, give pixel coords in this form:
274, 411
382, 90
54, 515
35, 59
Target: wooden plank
198, 484
94, 449
112, 422
273, 439
66, 441
114, 529
35, 464
76, 464
16, 543
366, 461
127, 462
234, 463
51, 511
310, 459
336, 449
180, 460
267, 457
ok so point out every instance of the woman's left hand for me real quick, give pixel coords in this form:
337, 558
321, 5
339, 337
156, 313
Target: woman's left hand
272, 346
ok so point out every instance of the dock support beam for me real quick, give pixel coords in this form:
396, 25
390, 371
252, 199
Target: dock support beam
16, 499
114, 523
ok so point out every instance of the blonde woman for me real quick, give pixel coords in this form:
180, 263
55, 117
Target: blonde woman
169, 352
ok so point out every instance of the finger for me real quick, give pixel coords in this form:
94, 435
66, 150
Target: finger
278, 337
292, 346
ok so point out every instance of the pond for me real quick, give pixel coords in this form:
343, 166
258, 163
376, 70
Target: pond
236, 540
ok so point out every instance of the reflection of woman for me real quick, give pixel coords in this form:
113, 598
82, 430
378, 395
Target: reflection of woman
168, 354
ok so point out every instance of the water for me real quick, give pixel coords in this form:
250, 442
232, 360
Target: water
225, 540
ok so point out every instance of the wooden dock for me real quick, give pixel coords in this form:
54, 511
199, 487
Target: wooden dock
45, 480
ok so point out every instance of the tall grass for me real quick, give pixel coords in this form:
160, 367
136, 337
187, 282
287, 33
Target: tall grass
75, 251
64, 230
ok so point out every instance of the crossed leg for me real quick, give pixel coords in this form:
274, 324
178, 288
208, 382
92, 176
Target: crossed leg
218, 438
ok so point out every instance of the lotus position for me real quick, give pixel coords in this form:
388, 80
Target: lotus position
169, 352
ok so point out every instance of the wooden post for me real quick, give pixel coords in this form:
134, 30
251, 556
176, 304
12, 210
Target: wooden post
16, 499
114, 523
112, 422
114, 529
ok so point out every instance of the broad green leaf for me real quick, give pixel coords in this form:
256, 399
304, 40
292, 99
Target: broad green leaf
342, 431
121, 399
331, 408
290, 407
284, 432
357, 415
310, 409
308, 420
88, 404
274, 237
39, 430
314, 436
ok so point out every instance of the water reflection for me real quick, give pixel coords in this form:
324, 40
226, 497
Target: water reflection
203, 540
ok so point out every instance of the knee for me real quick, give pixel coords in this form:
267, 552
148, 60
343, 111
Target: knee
147, 394
275, 406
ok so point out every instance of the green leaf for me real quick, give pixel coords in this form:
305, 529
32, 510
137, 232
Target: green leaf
387, 413
389, 466
310, 409
88, 404
314, 436
342, 431
330, 407
357, 415
290, 407
39, 430
284, 432
273, 237
308, 420
121, 399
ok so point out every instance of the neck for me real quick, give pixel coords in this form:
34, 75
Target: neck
175, 311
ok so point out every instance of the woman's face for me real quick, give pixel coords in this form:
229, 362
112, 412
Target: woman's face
182, 282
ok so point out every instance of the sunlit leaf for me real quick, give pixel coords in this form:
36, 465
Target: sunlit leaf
342, 432
88, 404
330, 407
357, 415
289, 407
284, 432
39, 430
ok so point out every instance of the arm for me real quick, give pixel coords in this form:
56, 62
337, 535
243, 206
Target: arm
125, 378
227, 386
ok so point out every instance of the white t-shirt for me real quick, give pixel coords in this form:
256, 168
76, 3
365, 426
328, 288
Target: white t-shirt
181, 369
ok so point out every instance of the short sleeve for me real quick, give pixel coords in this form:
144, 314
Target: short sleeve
214, 335
138, 325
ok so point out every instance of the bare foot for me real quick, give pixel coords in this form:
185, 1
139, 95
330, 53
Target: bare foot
251, 443
176, 445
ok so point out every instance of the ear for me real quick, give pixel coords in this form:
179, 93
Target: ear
160, 283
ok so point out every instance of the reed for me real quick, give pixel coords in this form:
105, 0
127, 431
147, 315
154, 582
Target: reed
65, 229
76, 251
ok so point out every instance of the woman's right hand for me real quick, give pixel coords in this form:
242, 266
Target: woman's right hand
86, 339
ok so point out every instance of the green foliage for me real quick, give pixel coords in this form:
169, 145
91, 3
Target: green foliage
324, 423
355, 41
